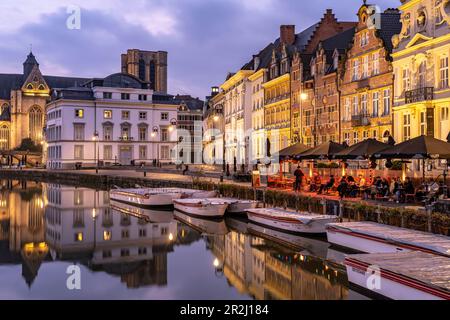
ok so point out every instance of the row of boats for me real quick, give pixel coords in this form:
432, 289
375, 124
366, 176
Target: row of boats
206, 204
409, 264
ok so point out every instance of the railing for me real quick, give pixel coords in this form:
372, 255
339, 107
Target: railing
126, 139
420, 94
360, 120
277, 98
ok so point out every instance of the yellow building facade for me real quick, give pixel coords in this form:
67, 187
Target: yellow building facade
277, 112
421, 67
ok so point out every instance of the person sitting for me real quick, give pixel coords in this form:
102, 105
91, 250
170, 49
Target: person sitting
342, 187
316, 182
328, 186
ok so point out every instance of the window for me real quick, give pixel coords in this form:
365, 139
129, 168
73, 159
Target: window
107, 254
125, 234
36, 123
142, 133
423, 123
444, 72
347, 137
422, 75
355, 74
355, 108
107, 152
78, 152
364, 104
79, 113
365, 67
107, 133
364, 39
125, 115
355, 137
142, 115
375, 104
164, 134
376, 63
387, 102
125, 96
365, 135
124, 252
164, 116
78, 131
107, 114
78, 197
107, 95
107, 235
165, 152
444, 114
142, 152
125, 132
78, 237
406, 80
142, 233
142, 97
406, 127
142, 251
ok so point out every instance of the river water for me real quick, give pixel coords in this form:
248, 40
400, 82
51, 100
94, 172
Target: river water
61, 242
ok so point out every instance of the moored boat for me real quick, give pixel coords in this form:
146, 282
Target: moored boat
157, 197
206, 208
410, 275
236, 206
306, 223
152, 216
371, 237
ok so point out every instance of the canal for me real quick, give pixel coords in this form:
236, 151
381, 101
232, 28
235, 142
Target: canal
62, 242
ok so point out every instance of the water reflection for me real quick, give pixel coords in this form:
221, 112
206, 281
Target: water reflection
179, 256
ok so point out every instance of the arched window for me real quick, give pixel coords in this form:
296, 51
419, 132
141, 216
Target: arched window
4, 107
4, 137
36, 124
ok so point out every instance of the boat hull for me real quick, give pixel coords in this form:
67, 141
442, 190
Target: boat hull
209, 211
314, 227
241, 207
389, 286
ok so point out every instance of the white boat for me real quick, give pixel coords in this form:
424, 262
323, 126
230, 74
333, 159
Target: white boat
206, 208
371, 237
410, 275
306, 223
152, 216
239, 206
303, 245
204, 226
157, 197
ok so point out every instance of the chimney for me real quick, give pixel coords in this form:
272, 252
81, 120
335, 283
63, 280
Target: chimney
287, 34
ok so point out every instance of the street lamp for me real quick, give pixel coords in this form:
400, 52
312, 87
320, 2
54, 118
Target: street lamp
96, 150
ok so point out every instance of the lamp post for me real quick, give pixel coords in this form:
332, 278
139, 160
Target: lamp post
96, 150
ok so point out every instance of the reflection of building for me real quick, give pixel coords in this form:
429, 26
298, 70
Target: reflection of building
367, 82
255, 266
117, 119
149, 66
421, 68
22, 228
81, 225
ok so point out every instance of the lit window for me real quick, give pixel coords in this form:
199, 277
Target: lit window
107, 235
79, 113
125, 115
79, 237
107, 114
444, 72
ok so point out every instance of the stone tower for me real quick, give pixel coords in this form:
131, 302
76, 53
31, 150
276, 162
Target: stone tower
149, 66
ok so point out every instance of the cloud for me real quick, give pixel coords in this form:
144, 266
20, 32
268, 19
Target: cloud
205, 38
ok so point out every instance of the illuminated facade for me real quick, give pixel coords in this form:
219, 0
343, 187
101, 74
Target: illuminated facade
258, 133
23, 98
421, 67
367, 80
214, 128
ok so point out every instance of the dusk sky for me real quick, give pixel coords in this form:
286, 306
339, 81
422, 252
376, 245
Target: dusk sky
205, 39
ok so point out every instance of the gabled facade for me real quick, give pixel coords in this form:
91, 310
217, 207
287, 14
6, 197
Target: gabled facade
421, 67
367, 80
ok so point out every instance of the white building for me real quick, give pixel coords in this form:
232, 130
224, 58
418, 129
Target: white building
112, 120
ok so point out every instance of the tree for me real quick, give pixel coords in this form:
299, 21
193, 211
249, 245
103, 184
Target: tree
28, 145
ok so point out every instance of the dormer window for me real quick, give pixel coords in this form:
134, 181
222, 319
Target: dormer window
30, 86
41, 87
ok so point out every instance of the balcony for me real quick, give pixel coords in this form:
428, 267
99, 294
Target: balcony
126, 139
419, 95
360, 120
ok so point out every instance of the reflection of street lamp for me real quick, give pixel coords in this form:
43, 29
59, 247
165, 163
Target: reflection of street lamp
96, 151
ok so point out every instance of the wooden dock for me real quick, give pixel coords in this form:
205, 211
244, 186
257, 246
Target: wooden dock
401, 276
371, 237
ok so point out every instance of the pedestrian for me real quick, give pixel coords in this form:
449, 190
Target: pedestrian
298, 178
